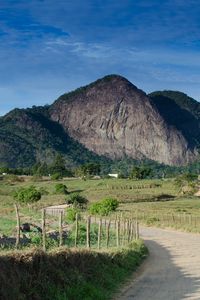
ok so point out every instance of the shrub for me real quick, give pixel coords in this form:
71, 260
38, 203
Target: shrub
104, 207
77, 200
61, 188
185, 179
56, 176
95, 208
71, 214
141, 172
27, 195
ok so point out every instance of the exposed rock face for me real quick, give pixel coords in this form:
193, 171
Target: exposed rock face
112, 117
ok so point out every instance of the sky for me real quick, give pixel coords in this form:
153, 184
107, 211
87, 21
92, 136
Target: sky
50, 47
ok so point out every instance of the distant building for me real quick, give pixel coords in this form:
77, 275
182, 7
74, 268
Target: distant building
4, 174
113, 175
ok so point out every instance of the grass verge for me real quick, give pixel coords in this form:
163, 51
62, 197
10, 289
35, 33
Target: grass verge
65, 274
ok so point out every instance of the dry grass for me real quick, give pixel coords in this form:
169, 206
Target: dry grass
66, 274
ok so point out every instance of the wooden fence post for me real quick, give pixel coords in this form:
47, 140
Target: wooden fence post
115, 222
117, 233
108, 234
18, 226
131, 230
128, 230
44, 229
195, 221
76, 231
134, 230
99, 233
124, 233
88, 232
137, 230
190, 220
60, 229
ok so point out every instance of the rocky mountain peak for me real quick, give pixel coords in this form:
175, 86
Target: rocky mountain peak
108, 119
112, 117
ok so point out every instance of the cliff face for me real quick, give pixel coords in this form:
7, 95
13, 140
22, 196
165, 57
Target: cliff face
109, 118
113, 118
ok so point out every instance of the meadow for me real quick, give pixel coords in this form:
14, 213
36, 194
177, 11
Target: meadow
64, 272
75, 273
152, 202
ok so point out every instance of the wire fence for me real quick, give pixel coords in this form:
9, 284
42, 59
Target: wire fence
84, 231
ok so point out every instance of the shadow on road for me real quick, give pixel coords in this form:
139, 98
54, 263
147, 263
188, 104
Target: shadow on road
162, 278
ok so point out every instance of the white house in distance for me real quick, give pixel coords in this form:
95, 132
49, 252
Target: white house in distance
113, 175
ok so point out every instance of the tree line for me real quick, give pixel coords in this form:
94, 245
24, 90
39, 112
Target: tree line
125, 168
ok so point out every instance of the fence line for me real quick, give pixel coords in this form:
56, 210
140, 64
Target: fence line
86, 231
177, 220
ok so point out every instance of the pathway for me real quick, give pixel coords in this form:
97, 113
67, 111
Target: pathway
172, 271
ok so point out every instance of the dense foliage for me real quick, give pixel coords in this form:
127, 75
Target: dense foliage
104, 207
61, 188
21, 128
180, 111
27, 195
89, 169
71, 214
141, 172
77, 200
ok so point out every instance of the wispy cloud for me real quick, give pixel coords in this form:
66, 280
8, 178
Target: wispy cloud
50, 47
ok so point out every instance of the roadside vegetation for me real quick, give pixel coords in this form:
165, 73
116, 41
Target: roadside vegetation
67, 274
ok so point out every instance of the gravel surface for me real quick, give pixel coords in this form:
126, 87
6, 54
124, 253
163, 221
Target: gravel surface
172, 270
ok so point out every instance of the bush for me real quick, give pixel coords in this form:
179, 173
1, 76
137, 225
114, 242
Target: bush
71, 214
141, 172
27, 195
95, 208
56, 176
104, 207
185, 179
61, 188
77, 200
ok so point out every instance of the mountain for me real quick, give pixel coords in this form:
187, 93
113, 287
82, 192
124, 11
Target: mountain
29, 135
113, 118
180, 111
108, 119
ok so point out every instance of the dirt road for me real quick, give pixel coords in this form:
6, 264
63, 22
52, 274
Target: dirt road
172, 271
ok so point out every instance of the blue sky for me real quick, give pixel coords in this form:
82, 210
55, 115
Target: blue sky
49, 47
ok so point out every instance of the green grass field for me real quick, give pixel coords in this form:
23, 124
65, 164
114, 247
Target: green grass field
153, 202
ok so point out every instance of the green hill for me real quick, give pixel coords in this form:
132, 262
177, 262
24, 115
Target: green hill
180, 111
